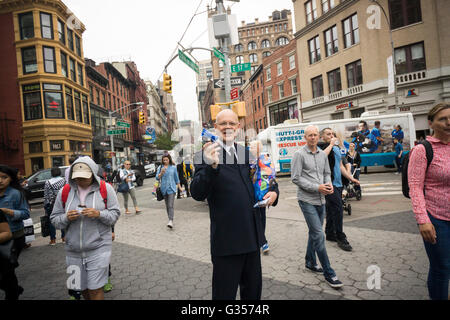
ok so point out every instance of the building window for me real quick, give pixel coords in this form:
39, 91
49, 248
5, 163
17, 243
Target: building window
259, 102
73, 75
35, 147
61, 32
334, 80
253, 58
268, 74
54, 105
281, 90
239, 60
69, 104
104, 99
26, 25
331, 41
46, 26
266, 54
410, 58
269, 95
265, 44
238, 48
86, 110
327, 5
276, 28
78, 106
357, 112
354, 74
253, 69
78, 45
337, 116
64, 64
267, 29
317, 86
251, 45
70, 38
279, 68
311, 11
29, 61
351, 31
80, 74
32, 104
294, 86
281, 41
292, 62
404, 12
49, 59
314, 50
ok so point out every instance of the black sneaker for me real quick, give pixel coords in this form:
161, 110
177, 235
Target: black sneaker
344, 245
331, 237
334, 282
314, 269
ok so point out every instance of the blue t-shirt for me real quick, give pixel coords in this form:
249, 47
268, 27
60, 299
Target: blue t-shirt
376, 133
337, 181
397, 134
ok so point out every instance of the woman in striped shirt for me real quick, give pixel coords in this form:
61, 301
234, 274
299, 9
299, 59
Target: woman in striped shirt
430, 196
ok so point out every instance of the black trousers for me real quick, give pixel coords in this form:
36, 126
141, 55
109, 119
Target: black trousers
186, 187
335, 214
243, 270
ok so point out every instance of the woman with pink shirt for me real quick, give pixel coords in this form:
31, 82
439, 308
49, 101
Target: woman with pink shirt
430, 195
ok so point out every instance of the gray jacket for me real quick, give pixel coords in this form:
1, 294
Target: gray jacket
87, 236
308, 171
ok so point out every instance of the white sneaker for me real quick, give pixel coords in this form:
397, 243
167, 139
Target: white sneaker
170, 224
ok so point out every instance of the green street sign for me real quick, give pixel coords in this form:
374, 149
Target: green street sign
117, 131
241, 67
219, 55
122, 124
188, 61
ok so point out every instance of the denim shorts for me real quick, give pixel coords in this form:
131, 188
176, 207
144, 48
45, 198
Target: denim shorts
92, 271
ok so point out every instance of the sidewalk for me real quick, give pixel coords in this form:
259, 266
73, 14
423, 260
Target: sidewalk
151, 262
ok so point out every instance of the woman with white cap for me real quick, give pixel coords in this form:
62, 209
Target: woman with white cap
87, 208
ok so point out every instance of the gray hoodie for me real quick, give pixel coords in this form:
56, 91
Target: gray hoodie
87, 236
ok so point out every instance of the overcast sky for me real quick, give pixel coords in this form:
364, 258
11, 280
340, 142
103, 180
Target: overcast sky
147, 32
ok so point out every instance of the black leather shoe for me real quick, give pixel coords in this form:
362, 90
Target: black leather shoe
314, 269
344, 245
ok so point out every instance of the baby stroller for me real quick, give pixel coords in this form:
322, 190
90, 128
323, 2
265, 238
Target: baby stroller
350, 191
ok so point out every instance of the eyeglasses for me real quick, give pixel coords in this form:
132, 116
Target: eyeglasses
231, 124
128, 164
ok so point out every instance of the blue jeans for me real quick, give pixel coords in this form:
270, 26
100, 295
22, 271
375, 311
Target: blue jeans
314, 216
52, 227
439, 257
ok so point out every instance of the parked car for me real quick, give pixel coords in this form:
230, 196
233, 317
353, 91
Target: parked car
139, 178
34, 187
150, 170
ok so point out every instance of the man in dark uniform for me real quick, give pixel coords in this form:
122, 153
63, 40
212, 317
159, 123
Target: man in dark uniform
222, 176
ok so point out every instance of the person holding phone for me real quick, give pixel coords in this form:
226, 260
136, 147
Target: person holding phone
167, 175
311, 173
127, 175
87, 217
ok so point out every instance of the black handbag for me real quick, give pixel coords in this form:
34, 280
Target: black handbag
8, 253
45, 226
159, 195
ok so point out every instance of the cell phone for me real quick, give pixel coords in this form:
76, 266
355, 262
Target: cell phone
80, 209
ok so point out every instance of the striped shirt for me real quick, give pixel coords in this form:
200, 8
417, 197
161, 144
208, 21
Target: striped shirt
436, 180
52, 188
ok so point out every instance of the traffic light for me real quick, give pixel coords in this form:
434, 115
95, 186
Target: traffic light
215, 109
239, 109
167, 83
141, 117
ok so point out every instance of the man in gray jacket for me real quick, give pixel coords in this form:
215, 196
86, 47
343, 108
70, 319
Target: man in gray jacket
310, 171
87, 216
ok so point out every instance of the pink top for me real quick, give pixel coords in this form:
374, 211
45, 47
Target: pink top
437, 182
82, 193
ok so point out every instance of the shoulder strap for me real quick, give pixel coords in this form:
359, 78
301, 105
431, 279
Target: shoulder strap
104, 193
429, 151
65, 194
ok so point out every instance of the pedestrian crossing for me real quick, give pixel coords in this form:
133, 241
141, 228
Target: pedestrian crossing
381, 188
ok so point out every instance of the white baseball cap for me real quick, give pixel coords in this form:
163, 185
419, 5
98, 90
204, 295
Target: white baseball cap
81, 170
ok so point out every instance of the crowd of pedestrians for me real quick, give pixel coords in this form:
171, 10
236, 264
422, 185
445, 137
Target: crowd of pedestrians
85, 208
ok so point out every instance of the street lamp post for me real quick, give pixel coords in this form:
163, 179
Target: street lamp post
111, 137
392, 52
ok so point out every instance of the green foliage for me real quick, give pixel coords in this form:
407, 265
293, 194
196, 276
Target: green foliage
164, 142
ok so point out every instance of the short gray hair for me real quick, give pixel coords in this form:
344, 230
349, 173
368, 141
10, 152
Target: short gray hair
310, 127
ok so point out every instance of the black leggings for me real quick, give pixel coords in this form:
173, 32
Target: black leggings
9, 282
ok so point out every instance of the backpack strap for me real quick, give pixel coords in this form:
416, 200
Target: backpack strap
104, 193
65, 194
428, 151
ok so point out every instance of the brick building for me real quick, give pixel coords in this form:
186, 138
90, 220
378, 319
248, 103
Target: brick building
281, 85
44, 110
